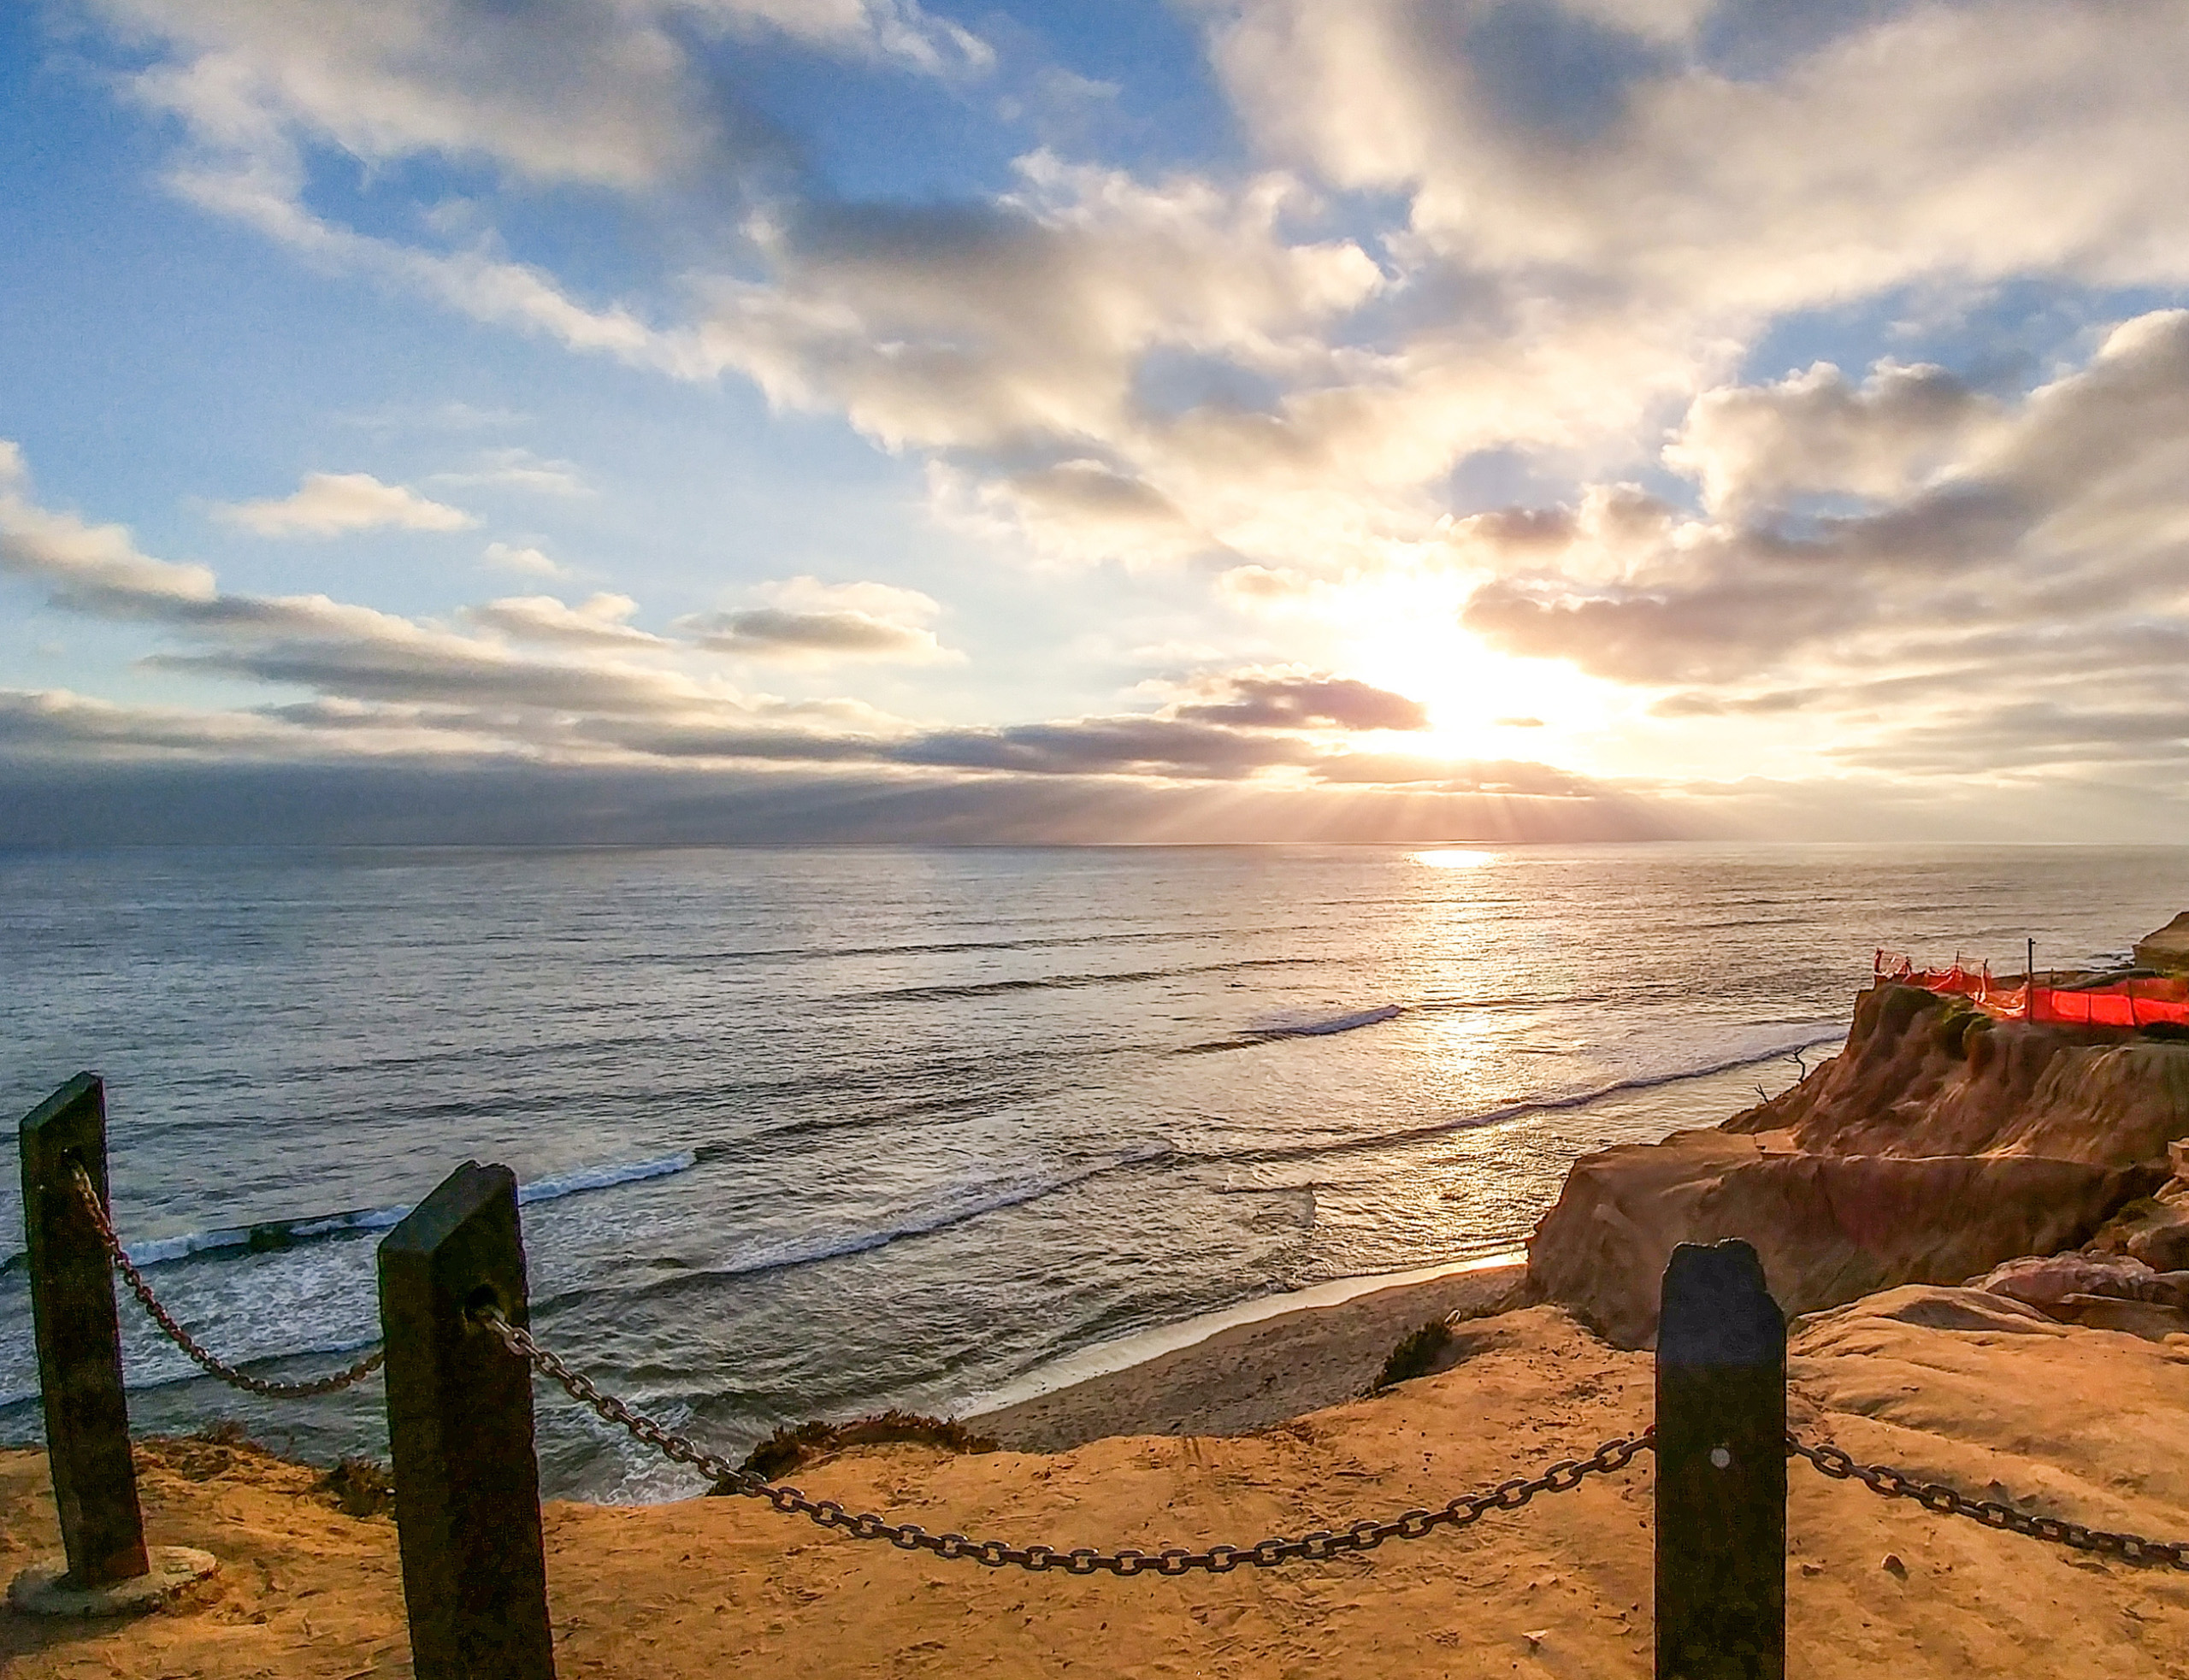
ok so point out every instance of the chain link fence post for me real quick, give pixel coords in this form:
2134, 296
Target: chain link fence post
79, 1336
1721, 1468
459, 1425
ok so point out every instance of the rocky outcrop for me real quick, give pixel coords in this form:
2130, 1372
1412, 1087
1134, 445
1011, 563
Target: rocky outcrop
2154, 1229
1937, 1144
2167, 948
1828, 1228
1924, 1075
2108, 1292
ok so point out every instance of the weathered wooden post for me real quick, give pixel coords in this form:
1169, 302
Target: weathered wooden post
459, 1425
79, 1339
1721, 1468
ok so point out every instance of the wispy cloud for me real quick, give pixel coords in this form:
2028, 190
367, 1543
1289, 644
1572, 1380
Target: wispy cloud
518, 470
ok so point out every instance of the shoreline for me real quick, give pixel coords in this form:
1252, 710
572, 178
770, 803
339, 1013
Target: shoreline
1242, 1369
1143, 1347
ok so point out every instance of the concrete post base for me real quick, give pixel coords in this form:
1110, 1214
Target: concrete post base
43, 1589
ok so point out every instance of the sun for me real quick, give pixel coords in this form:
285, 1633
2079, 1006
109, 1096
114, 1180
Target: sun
1481, 703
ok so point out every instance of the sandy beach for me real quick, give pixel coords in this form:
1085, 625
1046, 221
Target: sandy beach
1249, 1376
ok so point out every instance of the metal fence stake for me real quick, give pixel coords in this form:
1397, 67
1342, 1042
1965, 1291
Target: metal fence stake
79, 1339
1721, 1468
459, 1424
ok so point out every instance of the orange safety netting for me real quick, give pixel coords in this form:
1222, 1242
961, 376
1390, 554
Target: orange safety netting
2120, 1003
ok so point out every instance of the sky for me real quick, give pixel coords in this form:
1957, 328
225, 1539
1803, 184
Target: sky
811, 420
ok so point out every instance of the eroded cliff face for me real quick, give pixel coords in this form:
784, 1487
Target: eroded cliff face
1924, 1076
1937, 1144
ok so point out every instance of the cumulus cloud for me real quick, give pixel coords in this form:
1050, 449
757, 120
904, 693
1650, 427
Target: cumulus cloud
1461, 231
328, 505
1601, 201
1815, 432
1999, 605
519, 557
596, 621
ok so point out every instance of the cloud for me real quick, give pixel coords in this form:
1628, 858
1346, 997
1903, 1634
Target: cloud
51, 718
395, 803
91, 568
1108, 746
1755, 447
603, 689
1471, 776
808, 620
773, 633
2019, 600
1845, 165
328, 505
483, 695
1552, 222
515, 558
601, 95
597, 621
1254, 700
520, 470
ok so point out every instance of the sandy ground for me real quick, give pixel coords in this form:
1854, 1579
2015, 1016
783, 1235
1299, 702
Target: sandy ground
1247, 1378
2091, 1425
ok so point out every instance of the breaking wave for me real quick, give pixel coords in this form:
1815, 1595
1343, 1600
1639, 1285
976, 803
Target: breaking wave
272, 1234
968, 1202
1749, 1055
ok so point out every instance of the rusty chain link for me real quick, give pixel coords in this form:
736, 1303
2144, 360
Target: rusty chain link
332, 1383
1320, 1544
1890, 1483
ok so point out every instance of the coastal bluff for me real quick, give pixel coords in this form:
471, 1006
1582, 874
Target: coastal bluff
1941, 1144
1953, 1385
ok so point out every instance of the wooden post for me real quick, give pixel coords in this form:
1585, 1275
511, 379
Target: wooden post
79, 1339
1721, 1468
459, 1425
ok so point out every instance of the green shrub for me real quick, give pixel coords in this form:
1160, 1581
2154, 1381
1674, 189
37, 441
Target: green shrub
1415, 1356
793, 1446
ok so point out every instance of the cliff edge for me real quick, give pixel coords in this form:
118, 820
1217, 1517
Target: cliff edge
1941, 1144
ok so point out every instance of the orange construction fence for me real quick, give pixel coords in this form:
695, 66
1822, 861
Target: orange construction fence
2120, 1003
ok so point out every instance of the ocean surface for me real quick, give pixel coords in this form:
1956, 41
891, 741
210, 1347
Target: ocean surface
811, 1133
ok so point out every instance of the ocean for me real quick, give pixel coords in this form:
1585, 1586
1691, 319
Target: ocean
811, 1133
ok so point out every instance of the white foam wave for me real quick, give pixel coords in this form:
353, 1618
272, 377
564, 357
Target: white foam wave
559, 1185
1292, 1026
285, 1232
970, 1202
1758, 1045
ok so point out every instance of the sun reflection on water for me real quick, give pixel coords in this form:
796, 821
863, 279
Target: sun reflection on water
1455, 857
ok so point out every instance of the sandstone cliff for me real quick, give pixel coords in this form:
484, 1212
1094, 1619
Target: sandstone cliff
1937, 1144
2167, 948
1927, 1075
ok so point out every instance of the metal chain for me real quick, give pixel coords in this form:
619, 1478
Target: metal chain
1890, 1483
1321, 1543
227, 1373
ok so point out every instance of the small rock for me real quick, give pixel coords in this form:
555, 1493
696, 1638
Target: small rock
1893, 1566
1812, 1570
1536, 1638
